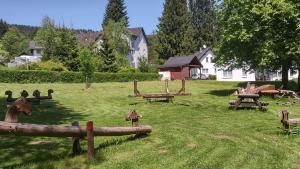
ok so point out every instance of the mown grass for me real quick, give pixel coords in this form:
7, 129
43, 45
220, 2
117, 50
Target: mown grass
197, 131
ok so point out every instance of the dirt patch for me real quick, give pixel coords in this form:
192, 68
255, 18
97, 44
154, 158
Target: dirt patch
296, 165
39, 142
222, 137
192, 145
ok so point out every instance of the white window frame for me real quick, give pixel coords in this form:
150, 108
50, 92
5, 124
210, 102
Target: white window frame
227, 74
204, 71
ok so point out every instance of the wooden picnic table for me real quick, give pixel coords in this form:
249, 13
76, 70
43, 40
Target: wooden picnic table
248, 100
271, 93
167, 97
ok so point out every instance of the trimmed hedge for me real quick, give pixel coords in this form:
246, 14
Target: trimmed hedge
33, 76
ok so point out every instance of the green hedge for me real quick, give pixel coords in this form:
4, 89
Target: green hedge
32, 76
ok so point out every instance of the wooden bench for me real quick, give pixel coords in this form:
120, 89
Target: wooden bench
286, 121
164, 97
247, 100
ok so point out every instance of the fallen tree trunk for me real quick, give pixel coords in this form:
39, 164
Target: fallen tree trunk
22, 129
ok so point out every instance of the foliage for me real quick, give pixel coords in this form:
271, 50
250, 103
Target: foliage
3, 27
145, 66
127, 69
42, 76
260, 34
115, 11
14, 42
46, 65
27, 30
153, 44
66, 48
203, 19
175, 36
87, 65
109, 60
45, 37
116, 34
212, 77
3, 54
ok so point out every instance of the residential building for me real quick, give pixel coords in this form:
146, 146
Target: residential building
138, 44
35, 49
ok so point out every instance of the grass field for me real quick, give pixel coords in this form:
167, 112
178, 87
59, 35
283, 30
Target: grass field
197, 131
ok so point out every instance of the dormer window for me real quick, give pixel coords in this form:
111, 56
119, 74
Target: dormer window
206, 59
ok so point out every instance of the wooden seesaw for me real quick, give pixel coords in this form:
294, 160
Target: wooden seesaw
35, 100
10, 126
165, 96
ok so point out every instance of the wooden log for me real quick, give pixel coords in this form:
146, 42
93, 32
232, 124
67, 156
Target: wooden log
21, 129
90, 140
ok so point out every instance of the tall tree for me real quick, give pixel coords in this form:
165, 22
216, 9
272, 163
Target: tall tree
116, 35
109, 61
46, 38
203, 15
260, 34
174, 30
3, 27
66, 48
87, 64
115, 11
3, 55
14, 42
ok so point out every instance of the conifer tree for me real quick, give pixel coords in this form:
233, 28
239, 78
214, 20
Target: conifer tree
115, 11
108, 58
203, 20
174, 34
3, 27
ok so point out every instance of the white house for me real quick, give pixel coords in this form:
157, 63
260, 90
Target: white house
35, 49
23, 59
224, 74
138, 44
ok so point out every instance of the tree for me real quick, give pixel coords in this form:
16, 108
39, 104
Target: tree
66, 48
117, 36
174, 31
45, 37
87, 65
203, 19
14, 43
259, 34
3, 55
3, 27
108, 58
115, 11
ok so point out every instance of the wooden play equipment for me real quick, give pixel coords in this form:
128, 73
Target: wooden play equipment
167, 96
287, 122
11, 127
181, 92
35, 100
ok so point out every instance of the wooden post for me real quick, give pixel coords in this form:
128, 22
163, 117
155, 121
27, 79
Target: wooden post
90, 139
183, 85
76, 149
167, 86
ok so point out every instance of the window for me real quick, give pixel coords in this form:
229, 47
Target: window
244, 73
204, 71
227, 74
206, 59
211, 60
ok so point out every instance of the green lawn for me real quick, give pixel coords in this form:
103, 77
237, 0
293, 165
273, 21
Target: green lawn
197, 131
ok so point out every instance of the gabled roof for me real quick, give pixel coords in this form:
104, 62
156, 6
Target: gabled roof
34, 45
180, 61
202, 53
133, 31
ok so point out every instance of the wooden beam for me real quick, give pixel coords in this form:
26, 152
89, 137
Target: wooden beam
21, 129
90, 140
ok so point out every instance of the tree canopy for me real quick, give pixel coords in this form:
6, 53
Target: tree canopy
115, 11
261, 34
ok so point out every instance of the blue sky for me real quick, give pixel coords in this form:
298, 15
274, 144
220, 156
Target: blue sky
87, 14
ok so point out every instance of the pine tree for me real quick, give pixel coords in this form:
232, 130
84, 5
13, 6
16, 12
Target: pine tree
174, 31
203, 21
108, 58
46, 38
14, 42
3, 27
115, 11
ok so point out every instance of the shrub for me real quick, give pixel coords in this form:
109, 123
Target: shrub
212, 77
127, 70
34, 76
48, 65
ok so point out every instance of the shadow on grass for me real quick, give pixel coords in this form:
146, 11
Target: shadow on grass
226, 92
18, 150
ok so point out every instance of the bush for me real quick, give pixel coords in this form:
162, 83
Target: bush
212, 77
48, 65
33, 76
127, 70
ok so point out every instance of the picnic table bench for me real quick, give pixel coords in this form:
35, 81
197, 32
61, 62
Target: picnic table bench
248, 100
165, 97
